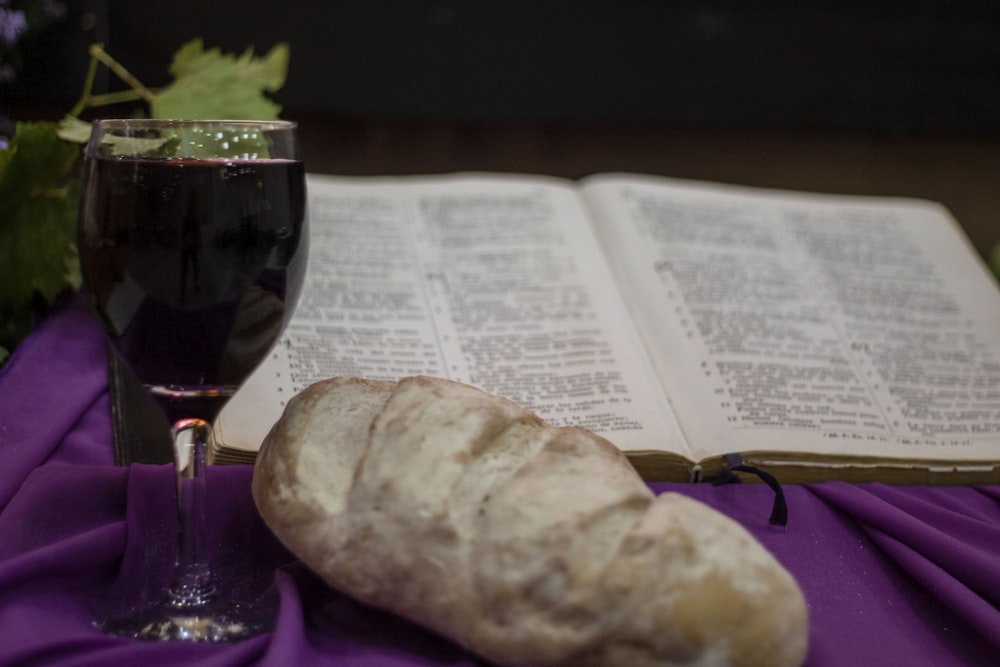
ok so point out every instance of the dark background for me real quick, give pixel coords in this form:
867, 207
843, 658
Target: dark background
878, 97
906, 65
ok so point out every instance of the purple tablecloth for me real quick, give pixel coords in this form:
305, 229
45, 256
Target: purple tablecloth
893, 576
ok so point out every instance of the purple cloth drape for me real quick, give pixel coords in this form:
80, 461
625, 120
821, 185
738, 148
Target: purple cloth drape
892, 575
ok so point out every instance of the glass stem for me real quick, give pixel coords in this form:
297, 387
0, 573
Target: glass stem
192, 584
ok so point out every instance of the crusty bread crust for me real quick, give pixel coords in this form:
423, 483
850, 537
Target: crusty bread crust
530, 545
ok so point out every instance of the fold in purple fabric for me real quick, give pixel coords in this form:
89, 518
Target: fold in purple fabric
892, 576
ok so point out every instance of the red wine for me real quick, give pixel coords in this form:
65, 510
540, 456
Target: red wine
193, 266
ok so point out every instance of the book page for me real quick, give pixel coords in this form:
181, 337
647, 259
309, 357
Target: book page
795, 322
495, 281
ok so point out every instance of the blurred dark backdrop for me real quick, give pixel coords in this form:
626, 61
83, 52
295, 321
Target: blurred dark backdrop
897, 65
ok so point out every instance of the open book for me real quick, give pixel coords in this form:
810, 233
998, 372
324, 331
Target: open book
818, 336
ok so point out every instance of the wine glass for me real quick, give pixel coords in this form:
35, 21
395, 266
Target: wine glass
193, 244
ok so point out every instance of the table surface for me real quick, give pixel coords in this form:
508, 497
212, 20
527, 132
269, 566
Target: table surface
959, 171
892, 575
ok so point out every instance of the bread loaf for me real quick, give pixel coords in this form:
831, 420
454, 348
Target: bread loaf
528, 544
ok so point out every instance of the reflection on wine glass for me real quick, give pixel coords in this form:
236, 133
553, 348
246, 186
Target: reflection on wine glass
193, 245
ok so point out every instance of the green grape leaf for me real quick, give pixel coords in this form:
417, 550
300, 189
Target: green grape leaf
36, 158
75, 130
212, 85
38, 211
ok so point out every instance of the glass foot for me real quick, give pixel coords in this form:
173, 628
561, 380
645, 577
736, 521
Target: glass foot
167, 623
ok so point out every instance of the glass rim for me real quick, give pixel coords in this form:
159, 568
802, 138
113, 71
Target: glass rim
149, 123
